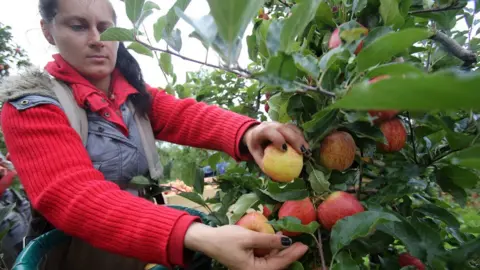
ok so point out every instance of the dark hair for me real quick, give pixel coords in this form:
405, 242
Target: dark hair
126, 63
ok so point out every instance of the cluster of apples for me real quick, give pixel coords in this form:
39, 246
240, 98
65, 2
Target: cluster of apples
336, 207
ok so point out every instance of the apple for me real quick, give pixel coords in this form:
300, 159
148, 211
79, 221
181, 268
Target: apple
336, 41
267, 107
1, 67
337, 206
395, 133
267, 211
405, 259
257, 222
282, 166
337, 151
301, 209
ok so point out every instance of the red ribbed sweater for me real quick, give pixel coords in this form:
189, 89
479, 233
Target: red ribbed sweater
63, 185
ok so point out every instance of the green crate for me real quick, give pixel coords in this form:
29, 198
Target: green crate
34, 252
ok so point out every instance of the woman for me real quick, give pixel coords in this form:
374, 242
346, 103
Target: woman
65, 181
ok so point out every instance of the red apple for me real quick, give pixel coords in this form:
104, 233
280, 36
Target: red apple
405, 259
337, 206
337, 151
395, 133
1, 67
267, 210
336, 41
301, 209
267, 107
259, 223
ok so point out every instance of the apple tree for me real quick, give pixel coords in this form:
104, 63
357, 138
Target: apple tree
10, 53
386, 93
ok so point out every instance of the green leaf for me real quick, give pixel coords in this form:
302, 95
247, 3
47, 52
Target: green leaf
279, 107
461, 177
173, 39
469, 158
439, 213
366, 130
302, 13
141, 181
245, 202
390, 13
172, 17
359, 225
117, 34
134, 9
274, 80
394, 69
447, 185
322, 123
293, 224
451, 91
460, 256
308, 64
233, 16
140, 49
166, 63
407, 234
295, 190
333, 56
318, 181
345, 262
159, 27
324, 14
199, 183
282, 66
149, 5
296, 266
194, 197
389, 45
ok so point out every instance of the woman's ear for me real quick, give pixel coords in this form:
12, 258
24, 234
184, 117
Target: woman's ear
46, 32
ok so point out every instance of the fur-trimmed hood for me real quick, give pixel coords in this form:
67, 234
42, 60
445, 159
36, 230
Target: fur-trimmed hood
30, 81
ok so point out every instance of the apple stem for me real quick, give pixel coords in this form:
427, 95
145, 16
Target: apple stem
320, 249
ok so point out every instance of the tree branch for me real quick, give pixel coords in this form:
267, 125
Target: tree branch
433, 10
454, 48
285, 3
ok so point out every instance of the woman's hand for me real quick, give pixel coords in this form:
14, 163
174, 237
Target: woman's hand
233, 246
257, 137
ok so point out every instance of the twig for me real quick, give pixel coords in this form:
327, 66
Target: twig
285, 3
412, 138
237, 71
320, 249
432, 10
191, 59
318, 88
454, 48
155, 53
360, 171
259, 95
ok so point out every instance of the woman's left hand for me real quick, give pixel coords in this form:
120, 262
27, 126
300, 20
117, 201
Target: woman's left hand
258, 137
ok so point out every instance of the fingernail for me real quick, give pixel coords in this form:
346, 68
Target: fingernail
286, 242
284, 147
303, 149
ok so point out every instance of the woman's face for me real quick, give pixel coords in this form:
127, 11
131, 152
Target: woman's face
76, 30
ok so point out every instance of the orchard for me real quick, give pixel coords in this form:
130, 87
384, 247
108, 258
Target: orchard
386, 93
11, 55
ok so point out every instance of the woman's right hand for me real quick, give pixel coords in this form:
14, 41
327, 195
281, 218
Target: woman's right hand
233, 246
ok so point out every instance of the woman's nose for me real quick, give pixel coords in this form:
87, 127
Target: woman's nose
94, 39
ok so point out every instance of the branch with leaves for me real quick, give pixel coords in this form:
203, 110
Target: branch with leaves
454, 48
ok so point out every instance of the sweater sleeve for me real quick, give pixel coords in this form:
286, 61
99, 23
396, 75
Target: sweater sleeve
192, 123
73, 196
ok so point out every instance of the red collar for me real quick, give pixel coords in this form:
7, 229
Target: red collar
87, 95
